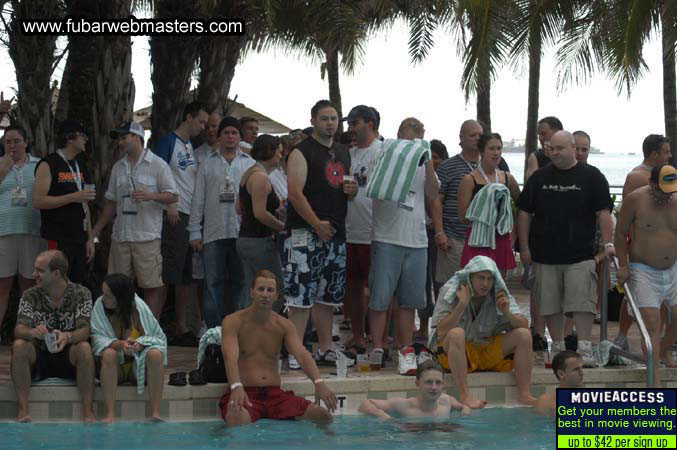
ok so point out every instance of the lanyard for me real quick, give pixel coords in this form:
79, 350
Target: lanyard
76, 179
131, 173
486, 178
228, 164
470, 166
19, 173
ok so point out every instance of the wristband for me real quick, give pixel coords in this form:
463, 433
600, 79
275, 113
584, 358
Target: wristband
234, 386
318, 381
609, 244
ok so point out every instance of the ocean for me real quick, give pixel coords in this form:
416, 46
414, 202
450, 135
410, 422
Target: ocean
614, 166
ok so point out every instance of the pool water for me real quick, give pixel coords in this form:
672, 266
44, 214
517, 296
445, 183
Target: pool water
491, 428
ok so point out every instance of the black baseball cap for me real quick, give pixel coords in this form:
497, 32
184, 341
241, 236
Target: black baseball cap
69, 126
361, 112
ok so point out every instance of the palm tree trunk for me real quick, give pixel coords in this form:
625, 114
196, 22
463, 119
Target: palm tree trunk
33, 58
332, 61
219, 56
484, 94
669, 84
173, 60
531, 140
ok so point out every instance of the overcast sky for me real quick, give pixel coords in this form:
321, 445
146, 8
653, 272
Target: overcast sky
284, 87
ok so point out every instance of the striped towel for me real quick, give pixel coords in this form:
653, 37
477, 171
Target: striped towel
394, 168
103, 335
211, 336
490, 211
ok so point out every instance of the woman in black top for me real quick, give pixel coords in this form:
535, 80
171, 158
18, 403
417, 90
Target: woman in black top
261, 213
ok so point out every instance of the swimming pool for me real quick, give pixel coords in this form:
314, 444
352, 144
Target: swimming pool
491, 428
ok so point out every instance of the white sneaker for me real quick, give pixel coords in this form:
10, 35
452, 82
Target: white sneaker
407, 361
621, 341
557, 346
585, 350
293, 363
203, 329
423, 356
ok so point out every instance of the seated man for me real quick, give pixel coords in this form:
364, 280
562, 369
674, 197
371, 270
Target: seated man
477, 325
430, 401
54, 305
568, 368
251, 342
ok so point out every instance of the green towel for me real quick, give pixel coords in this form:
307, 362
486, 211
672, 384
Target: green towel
394, 168
490, 212
103, 336
211, 336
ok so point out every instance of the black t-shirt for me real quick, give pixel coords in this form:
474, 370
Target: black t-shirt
542, 159
324, 184
564, 204
66, 222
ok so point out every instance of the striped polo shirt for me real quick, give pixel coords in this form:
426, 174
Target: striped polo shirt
450, 172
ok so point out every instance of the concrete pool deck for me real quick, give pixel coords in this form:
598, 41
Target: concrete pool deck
62, 403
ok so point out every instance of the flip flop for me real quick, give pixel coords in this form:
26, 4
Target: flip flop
195, 378
177, 379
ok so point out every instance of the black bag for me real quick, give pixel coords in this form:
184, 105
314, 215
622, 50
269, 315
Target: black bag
214, 366
614, 304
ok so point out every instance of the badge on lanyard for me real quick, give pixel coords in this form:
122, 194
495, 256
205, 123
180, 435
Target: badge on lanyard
128, 204
227, 194
299, 238
19, 197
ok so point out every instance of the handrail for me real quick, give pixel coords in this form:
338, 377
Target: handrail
640, 323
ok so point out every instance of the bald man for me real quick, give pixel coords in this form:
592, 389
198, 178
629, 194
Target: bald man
559, 208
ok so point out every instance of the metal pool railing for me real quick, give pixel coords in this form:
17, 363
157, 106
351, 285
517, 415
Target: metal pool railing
649, 361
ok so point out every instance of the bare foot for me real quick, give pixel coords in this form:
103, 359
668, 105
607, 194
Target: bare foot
89, 417
23, 418
156, 418
527, 399
472, 402
109, 419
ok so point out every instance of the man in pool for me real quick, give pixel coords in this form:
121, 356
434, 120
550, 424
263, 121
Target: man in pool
568, 368
251, 343
430, 401
477, 325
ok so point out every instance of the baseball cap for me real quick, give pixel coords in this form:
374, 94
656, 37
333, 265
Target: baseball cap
361, 112
127, 128
665, 176
69, 126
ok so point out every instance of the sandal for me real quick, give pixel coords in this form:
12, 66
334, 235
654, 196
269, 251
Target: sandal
354, 350
177, 379
195, 378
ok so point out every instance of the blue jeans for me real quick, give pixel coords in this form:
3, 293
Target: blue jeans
220, 257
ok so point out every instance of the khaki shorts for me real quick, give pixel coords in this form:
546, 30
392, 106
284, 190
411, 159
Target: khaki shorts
566, 288
18, 253
140, 260
449, 262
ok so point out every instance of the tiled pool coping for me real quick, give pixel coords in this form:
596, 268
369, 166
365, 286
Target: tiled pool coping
62, 403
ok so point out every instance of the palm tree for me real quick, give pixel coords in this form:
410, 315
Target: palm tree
34, 58
173, 60
610, 36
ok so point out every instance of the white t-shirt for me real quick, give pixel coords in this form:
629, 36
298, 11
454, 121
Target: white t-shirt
203, 152
359, 218
394, 224
279, 181
180, 156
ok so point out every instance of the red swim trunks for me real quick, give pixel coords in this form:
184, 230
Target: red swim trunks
269, 403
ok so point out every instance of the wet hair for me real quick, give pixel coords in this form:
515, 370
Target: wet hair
320, 105
346, 137
485, 138
553, 122
246, 119
264, 147
437, 147
427, 365
266, 274
582, 133
559, 362
193, 108
122, 288
653, 143
57, 261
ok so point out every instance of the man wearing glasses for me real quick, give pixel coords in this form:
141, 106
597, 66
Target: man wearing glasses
61, 193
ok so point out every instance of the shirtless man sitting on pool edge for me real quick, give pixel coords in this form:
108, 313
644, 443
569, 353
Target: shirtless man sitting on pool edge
430, 401
251, 342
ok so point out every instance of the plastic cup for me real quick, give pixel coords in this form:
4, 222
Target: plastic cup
363, 363
279, 366
375, 361
342, 368
90, 187
348, 178
50, 340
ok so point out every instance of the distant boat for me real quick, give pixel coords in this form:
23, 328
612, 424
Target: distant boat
632, 153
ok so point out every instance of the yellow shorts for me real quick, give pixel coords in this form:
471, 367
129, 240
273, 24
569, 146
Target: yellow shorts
480, 357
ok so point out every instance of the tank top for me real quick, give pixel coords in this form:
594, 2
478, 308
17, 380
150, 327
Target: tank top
251, 226
542, 159
476, 187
